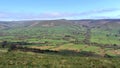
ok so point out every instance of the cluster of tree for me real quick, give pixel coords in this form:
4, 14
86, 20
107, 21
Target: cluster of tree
7, 43
115, 35
26, 49
114, 46
13, 45
4, 44
63, 52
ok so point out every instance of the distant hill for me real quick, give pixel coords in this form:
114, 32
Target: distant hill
4, 25
51, 23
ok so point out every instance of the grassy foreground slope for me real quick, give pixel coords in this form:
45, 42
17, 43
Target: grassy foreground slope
35, 60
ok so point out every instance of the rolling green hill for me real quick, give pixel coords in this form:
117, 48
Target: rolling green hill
78, 43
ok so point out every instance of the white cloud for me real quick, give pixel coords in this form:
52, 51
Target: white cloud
53, 15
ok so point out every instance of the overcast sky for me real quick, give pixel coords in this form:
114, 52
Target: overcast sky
59, 9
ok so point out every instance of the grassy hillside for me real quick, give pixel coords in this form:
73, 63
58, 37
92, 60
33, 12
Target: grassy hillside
108, 33
103, 31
